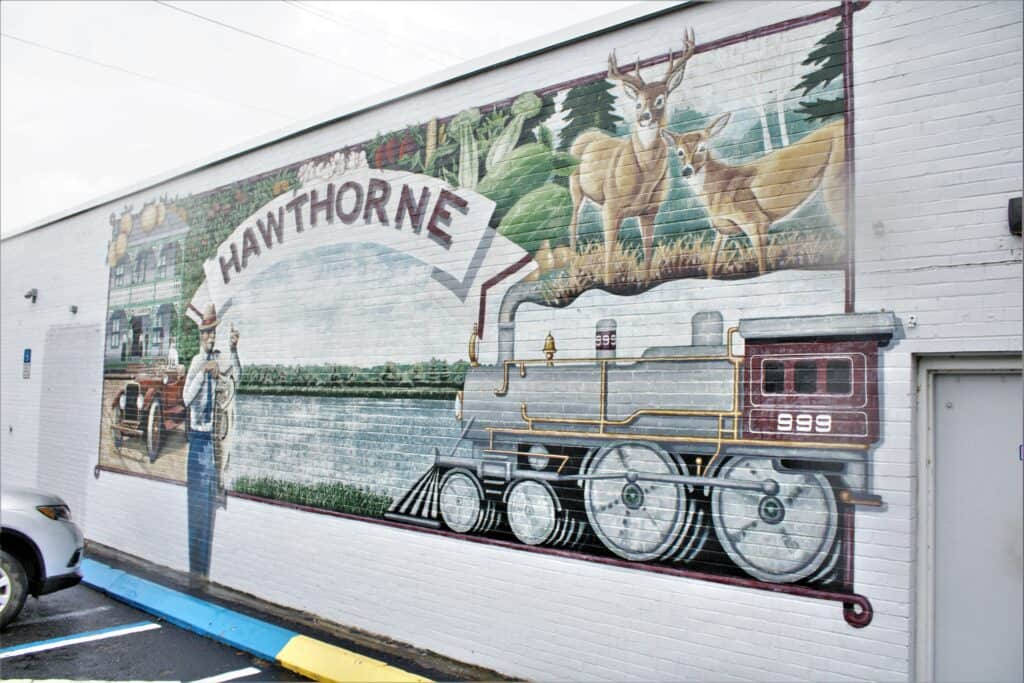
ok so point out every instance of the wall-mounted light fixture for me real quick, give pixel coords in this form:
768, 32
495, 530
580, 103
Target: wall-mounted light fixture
1013, 215
32, 294
74, 309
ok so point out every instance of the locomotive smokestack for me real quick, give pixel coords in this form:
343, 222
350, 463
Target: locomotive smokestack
707, 328
604, 339
506, 341
517, 294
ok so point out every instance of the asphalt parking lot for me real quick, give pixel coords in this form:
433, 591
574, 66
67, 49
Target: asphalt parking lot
80, 633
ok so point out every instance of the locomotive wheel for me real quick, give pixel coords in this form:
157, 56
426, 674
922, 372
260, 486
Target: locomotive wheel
532, 511
154, 429
779, 538
461, 501
637, 520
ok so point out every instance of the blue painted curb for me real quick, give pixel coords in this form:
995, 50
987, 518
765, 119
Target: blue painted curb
212, 621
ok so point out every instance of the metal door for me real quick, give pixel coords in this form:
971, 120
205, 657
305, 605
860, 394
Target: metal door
71, 394
976, 513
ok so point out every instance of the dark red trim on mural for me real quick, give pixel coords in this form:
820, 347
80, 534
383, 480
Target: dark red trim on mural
845, 11
847, 556
143, 475
760, 32
858, 613
851, 168
857, 609
490, 283
855, 606
583, 80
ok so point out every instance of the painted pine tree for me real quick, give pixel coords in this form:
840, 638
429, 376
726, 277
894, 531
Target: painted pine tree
591, 105
829, 59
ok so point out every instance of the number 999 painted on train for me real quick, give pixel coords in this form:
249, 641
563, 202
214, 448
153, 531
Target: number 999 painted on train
736, 468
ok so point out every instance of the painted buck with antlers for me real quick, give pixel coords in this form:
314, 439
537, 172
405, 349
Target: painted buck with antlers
628, 177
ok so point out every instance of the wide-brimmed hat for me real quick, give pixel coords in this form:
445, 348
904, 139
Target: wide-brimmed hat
210, 320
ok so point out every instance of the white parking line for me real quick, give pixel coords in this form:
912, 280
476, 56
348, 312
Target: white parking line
41, 646
230, 675
61, 617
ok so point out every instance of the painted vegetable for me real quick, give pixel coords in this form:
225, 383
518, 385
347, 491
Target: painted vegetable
469, 154
541, 216
147, 218
524, 170
525, 106
431, 146
126, 222
120, 247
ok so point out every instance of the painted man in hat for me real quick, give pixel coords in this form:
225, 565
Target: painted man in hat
204, 477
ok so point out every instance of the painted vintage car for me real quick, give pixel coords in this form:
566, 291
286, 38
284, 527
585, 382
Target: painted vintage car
149, 403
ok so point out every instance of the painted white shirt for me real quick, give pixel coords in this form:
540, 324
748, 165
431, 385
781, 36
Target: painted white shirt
195, 392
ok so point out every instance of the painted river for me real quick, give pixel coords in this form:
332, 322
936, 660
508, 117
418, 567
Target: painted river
382, 445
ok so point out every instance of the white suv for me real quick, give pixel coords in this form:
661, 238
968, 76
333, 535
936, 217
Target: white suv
40, 548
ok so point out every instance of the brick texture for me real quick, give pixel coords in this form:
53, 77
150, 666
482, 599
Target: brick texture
937, 147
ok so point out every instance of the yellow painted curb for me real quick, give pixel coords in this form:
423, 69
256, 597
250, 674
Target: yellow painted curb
331, 664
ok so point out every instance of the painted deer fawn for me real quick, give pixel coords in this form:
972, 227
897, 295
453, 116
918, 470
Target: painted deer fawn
628, 177
749, 198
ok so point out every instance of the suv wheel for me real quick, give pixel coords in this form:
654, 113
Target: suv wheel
13, 588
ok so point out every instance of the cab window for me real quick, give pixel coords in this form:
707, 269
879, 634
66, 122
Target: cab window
838, 376
805, 377
774, 381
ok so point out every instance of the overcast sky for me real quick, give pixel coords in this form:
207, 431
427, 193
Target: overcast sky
98, 96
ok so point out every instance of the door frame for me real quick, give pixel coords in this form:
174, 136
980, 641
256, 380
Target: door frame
926, 370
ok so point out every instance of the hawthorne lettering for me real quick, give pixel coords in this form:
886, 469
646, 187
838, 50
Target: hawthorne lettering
353, 204
325, 205
273, 228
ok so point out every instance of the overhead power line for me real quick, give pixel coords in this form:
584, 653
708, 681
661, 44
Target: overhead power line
334, 19
152, 79
298, 50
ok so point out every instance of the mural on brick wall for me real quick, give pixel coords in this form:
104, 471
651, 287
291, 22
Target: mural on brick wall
341, 334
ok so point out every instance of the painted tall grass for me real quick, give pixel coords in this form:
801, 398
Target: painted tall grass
685, 257
324, 495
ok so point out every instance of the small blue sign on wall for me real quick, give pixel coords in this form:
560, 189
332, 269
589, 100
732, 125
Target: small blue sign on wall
26, 368
28, 355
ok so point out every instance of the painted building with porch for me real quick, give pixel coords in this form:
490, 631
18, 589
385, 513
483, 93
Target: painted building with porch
145, 284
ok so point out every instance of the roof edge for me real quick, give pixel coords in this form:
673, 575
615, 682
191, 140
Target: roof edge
549, 42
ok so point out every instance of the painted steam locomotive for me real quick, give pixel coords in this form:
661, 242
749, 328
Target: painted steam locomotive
682, 453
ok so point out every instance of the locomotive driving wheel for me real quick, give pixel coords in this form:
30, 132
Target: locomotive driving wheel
636, 519
532, 511
461, 501
781, 534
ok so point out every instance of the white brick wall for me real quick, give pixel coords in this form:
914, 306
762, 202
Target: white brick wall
938, 148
